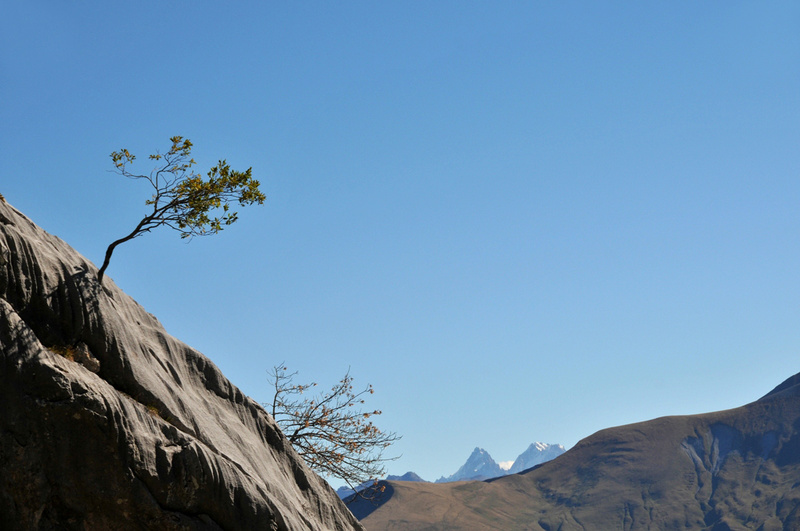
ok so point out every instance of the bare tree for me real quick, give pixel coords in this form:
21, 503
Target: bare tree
331, 432
183, 199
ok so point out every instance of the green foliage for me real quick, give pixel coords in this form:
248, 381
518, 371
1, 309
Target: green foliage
184, 200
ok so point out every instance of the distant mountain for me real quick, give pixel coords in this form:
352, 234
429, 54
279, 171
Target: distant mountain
730, 470
536, 454
408, 476
479, 465
345, 492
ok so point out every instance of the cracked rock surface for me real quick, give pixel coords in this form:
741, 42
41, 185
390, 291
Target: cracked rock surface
107, 422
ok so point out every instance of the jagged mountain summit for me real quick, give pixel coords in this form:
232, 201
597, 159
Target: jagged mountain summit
108, 422
536, 454
479, 466
729, 470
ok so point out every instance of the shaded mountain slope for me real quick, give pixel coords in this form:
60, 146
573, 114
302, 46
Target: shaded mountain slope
107, 422
729, 470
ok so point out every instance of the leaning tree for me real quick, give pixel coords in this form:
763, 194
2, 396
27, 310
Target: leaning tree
183, 200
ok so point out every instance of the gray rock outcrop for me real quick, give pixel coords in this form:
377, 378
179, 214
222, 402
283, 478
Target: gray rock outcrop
108, 422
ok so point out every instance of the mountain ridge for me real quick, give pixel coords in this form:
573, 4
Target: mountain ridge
481, 466
725, 470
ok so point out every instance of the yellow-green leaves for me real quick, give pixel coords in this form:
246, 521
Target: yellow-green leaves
197, 197
184, 200
121, 158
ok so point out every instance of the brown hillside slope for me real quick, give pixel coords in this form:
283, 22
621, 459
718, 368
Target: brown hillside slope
729, 470
109, 423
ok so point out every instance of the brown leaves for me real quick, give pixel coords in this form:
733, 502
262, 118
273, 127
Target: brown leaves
329, 431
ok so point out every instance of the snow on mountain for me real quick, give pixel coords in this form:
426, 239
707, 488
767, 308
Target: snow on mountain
536, 454
505, 465
479, 465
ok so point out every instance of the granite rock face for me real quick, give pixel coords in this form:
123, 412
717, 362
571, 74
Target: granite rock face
107, 422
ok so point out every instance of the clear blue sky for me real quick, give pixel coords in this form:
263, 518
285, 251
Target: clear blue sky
519, 221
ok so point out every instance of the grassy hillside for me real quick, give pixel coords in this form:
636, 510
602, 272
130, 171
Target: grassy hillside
734, 469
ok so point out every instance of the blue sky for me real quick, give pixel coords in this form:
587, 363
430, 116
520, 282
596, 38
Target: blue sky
519, 221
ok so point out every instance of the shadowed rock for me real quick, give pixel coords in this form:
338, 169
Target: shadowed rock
107, 422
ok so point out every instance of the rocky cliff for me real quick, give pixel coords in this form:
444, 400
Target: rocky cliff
107, 422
